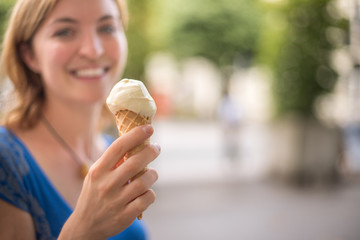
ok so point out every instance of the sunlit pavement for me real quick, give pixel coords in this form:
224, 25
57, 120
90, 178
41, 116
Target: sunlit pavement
201, 196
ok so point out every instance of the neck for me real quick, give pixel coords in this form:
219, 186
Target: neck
77, 126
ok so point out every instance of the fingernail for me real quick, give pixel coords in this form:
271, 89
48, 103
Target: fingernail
157, 146
148, 129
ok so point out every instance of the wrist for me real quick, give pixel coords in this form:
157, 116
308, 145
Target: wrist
76, 230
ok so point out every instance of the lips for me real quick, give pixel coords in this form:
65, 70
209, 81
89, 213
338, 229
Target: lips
90, 72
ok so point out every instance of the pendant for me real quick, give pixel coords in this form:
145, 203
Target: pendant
84, 170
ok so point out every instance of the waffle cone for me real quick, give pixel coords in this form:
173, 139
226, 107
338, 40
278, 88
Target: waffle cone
127, 120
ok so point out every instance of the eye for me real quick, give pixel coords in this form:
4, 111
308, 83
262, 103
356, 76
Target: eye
66, 32
107, 29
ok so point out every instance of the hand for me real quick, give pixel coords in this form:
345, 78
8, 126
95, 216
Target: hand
108, 203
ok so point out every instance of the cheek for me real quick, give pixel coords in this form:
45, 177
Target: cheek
53, 65
54, 58
60, 55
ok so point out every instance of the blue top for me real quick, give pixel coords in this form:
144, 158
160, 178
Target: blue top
24, 185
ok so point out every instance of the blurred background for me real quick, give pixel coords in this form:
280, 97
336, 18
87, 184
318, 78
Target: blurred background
258, 116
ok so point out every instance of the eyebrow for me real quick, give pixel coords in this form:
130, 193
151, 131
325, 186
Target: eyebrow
64, 20
73, 21
106, 17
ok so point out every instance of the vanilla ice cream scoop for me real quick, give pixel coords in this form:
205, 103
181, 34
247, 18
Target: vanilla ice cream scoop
129, 94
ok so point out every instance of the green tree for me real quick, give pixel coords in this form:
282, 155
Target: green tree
138, 40
218, 30
297, 42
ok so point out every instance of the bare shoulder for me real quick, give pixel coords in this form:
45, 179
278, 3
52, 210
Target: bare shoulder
15, 223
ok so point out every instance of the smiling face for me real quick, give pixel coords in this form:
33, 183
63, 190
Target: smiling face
80, 50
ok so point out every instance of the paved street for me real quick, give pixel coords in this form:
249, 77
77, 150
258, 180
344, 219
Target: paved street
201, 196
254, 211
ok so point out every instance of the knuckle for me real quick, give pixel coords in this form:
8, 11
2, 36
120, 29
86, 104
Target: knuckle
141, 206
139, 185
96, 180
154, 174
104, 188
152, 196
154, 150
131, 166
144, 202
93, 172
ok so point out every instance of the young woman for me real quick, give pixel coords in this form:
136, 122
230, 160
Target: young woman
63, 57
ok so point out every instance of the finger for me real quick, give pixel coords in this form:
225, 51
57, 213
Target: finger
141, 203
123, 144
136, 163
141, 184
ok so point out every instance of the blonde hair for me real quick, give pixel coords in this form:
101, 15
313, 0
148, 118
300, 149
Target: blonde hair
25, 19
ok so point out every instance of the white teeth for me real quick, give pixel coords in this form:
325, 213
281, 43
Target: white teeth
91, 72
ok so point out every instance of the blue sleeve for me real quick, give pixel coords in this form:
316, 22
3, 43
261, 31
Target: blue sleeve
13, 168
136, 231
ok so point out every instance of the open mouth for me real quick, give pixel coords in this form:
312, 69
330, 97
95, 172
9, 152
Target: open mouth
91, 72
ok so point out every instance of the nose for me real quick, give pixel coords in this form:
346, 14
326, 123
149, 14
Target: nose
91, 46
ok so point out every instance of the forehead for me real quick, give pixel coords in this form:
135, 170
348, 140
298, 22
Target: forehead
83, 10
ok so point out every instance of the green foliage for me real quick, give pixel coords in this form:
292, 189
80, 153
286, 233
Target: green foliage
138, 41
5, 6
299, 53
217, 30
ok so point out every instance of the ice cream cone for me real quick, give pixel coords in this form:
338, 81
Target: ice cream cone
132, 106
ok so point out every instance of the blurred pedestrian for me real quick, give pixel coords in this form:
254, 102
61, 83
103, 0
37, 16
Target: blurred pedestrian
229, 116
63, 57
